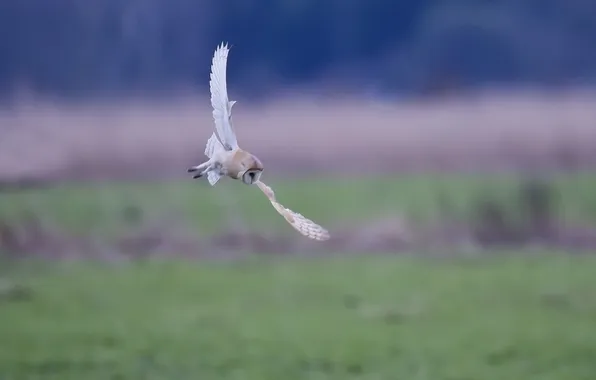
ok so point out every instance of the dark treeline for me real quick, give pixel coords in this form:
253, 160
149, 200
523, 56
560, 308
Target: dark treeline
95, 47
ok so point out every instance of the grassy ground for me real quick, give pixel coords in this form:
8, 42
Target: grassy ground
110, 207
358, 318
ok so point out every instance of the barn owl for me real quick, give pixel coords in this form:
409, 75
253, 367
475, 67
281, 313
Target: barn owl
227, 159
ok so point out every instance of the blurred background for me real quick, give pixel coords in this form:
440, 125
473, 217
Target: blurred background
437, 129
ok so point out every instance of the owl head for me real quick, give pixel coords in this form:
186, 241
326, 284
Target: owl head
253, 168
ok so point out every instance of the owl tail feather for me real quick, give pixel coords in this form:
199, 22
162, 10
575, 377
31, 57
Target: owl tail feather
213, 177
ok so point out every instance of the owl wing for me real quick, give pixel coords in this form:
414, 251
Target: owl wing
222, 106
303, 225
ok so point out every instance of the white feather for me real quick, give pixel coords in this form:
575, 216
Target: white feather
222, 106
213, 146
213, 177
211, 149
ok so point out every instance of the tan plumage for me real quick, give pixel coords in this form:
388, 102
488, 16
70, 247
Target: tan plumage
303, 225
227, 159
240, 160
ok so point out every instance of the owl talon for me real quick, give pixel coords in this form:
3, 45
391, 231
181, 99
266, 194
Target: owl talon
196, 176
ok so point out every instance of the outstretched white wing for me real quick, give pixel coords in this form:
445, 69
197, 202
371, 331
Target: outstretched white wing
222, 106
303, 225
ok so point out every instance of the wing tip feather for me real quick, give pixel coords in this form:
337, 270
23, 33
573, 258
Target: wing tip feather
300, 223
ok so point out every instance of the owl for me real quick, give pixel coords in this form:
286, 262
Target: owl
227, 159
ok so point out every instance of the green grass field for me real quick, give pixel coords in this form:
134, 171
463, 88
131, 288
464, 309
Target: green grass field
509, 315
497, 317
112, 207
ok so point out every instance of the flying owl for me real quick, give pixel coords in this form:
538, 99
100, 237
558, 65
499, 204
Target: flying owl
227, 159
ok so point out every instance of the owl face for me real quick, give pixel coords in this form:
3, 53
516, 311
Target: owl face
251, 176
253, 168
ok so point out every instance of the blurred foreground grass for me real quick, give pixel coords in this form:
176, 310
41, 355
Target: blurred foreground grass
492, 317
106, 207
